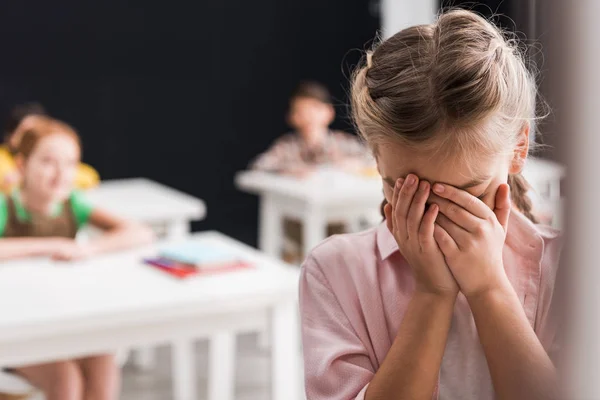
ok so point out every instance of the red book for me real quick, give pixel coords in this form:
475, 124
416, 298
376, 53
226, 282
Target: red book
182, 270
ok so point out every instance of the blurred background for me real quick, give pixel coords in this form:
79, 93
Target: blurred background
187, 93
169, 92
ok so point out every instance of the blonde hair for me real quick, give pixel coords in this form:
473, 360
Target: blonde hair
457, 85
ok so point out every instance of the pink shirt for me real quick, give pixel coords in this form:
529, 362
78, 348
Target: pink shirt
355, 289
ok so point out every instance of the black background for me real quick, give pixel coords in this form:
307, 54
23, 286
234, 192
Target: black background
185, 93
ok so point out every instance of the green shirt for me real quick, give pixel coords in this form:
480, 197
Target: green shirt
80, 207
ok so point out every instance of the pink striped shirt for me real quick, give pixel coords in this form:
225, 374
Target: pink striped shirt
355, 289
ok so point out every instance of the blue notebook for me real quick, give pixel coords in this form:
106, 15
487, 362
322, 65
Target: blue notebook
198, 254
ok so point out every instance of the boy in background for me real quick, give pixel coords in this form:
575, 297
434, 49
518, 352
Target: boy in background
311, 144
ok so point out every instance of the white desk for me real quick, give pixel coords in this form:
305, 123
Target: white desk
152, 203
545, 179
325, 196
168, 211
50, 311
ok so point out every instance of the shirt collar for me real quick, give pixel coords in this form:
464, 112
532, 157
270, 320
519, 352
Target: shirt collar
21, 212
385, 241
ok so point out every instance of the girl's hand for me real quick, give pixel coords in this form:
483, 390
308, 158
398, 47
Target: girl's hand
69, 250
413, 229
471, 236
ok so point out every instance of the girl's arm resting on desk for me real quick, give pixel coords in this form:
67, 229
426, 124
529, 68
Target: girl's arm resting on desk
519, 365
11, 248
337, 364
118, 234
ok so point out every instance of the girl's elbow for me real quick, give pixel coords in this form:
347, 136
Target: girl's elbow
137, 233
146, 234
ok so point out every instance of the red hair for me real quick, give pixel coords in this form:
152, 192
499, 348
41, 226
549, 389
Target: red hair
40, 127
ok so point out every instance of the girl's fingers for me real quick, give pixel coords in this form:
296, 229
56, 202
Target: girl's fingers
464, 199
456, 213
444, 241
458, 234
397, 187
417, 209
389, 221
427, 224
405, 197
502, 205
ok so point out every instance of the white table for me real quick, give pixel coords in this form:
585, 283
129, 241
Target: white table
50, 311
168, 211
545, 178
146, 201
327, 195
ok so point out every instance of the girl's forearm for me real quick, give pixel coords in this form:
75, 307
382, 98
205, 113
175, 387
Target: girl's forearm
25, 247
122, 238
410, 369
519, 365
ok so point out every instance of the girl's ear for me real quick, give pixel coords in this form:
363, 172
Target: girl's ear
520, 153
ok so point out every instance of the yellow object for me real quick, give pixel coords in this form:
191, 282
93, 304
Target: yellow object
370, 172
86, 176
8, 170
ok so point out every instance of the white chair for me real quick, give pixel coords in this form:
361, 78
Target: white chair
14, 385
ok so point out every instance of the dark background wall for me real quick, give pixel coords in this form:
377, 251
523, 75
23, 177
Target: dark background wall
185, 93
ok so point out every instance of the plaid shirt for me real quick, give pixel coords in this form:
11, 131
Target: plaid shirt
290, 151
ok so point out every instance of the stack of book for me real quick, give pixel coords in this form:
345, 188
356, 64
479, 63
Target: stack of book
192, 259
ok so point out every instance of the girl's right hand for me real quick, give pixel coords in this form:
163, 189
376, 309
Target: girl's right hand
65, 249
413, 229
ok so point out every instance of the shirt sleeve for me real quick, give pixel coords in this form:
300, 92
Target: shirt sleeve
351, 146
82, 209
3, 214
353, 152
283, 154
336, 363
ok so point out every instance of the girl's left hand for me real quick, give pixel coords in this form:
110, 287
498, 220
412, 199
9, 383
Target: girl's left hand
471, 236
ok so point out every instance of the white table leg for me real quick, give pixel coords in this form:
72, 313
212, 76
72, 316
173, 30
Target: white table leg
285, 360
269, 229
221, 367
313, 229
554, 190
183, 371
177, 229
264, 338
145, 358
